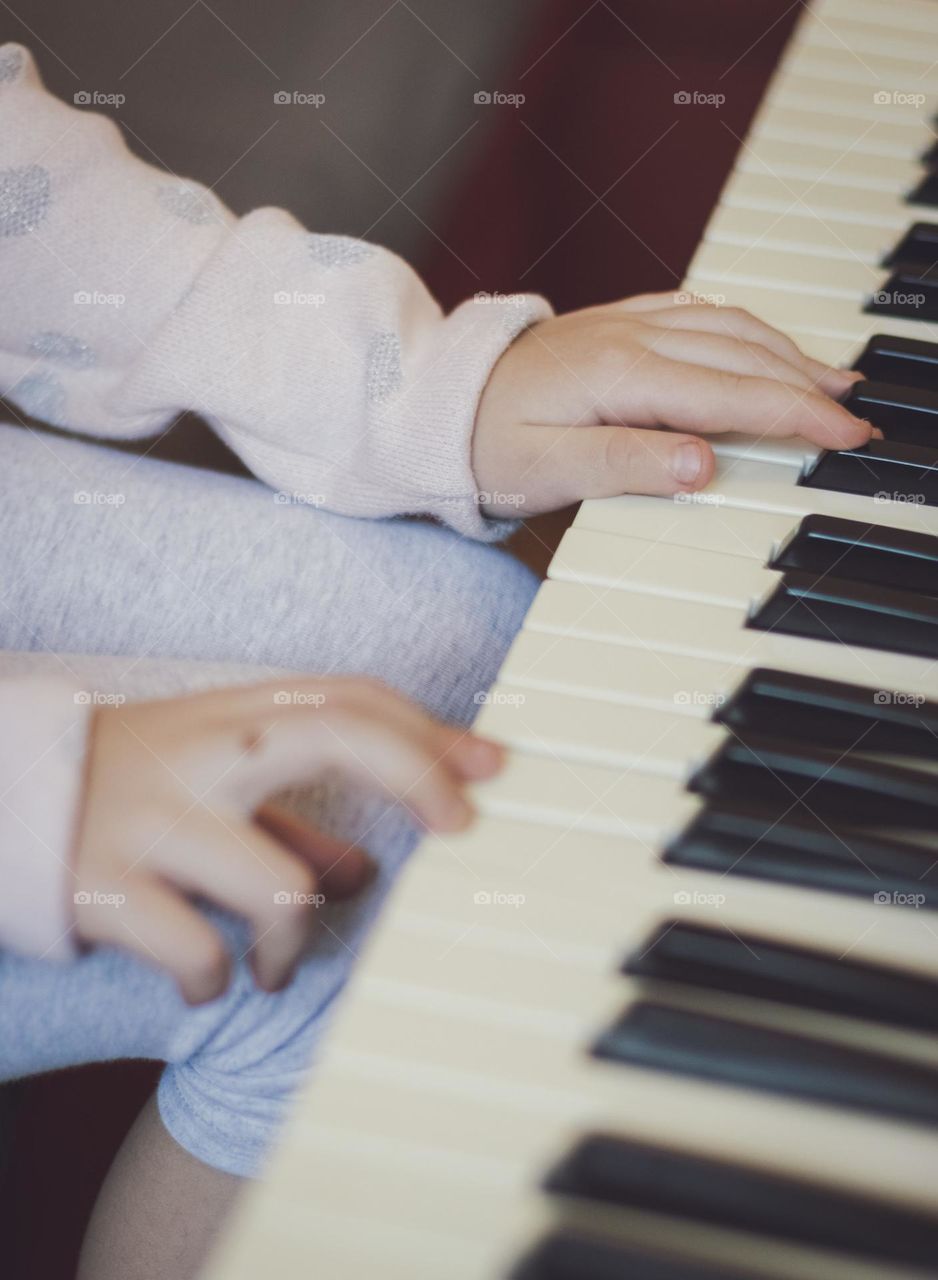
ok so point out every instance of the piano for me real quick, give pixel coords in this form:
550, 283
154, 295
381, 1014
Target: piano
670, 1009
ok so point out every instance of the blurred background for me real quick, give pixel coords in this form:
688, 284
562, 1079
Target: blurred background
501, 145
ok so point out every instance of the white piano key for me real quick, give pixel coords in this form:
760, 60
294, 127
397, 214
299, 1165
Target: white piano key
867, 40
682, 656
905, 140
789, 270
708, 527
787, 309
822, 164
554, 724
912, 17
840, 203
660, 568
801, 233
870, 72
797, 89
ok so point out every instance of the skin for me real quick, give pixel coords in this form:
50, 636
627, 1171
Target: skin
572, 408
176, 790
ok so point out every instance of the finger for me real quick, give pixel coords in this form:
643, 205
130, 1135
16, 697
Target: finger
567, 465
239, 866
382, 754
715, 351
471, 757
690, 398
158, 925
342, 869
735, 322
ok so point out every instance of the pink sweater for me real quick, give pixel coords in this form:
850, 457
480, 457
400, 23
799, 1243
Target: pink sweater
131, 295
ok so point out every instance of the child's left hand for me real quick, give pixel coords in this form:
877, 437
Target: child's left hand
570, 409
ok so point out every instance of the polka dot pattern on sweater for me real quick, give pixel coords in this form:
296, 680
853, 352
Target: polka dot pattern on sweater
338, 251
42, 396
62, 347
189, 202
384, 374
24, 199
11, 64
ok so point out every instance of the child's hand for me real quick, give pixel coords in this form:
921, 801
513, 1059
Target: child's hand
171, 811
569, 409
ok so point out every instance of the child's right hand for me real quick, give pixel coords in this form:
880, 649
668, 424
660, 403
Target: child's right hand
173, 810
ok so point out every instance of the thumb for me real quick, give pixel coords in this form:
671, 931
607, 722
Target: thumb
567, 464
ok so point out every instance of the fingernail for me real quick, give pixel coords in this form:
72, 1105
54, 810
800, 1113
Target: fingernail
687, 463
876, 434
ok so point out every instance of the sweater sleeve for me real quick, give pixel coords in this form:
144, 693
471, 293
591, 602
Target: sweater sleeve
43, 733
322, 360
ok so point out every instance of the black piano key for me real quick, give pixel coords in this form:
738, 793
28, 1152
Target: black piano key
905, 414
838, 787
852, 613
881, 469
918, 247
830, 713
875, 554
758, 1057
569, 1255
926, 192
638, 1175
930, 155
800, 849
907, 362
747, 965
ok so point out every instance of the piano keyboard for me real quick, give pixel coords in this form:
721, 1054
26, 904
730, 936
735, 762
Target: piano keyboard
670, 1009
